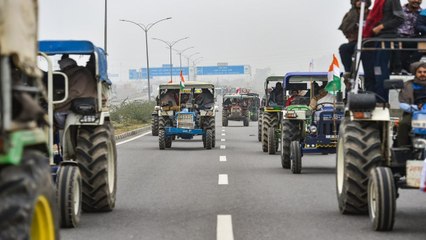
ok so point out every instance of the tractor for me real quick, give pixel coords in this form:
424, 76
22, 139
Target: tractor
27, 194
82, 137
236, 107
186, 111
271, 115
370, 167
307, 129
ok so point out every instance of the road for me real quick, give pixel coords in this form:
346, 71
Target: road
182, 193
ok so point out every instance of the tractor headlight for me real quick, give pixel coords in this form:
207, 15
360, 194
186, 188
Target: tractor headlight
313, 129
419, 143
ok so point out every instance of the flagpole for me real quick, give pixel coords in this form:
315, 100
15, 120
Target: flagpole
358, 47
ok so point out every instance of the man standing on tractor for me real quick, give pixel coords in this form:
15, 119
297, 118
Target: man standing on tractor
413, 91
383, 21
204, 99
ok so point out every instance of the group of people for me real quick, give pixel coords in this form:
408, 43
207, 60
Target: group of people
320, 96
170, 98
386, 19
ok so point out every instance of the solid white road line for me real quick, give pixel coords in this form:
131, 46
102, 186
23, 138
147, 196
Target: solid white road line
223, 179
222, 158
223, 140
132, 139
224, 228
222, 147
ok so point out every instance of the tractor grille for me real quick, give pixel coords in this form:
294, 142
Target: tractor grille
185, 120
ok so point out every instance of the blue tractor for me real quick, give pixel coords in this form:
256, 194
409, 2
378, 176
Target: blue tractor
82, 138
307, 129
185, 113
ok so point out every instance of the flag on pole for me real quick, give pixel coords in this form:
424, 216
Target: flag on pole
334, 81
182, 80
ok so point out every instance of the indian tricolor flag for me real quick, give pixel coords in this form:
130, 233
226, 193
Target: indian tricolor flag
182, 81
334, 81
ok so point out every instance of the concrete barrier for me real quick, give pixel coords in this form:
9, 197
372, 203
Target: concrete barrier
133, 133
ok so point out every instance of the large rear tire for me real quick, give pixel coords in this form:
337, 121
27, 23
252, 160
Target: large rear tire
259, 127
161, 139
69, 194
28, 208
209, 139
224, 118
295, 157
96, 155
382, 199
272, 147
154, 125
358, 151
289, 133
270, 120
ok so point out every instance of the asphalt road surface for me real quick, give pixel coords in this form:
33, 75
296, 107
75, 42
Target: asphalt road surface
234, 191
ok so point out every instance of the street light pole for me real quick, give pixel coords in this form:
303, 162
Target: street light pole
170, 45
105, 27
188, 58
195, 66
180, 55
146, 28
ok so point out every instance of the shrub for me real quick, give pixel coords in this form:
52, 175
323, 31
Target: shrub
132, 112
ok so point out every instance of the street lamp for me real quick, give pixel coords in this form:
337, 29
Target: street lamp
195, 62
188, 58
179, 52
146, 28
170, 45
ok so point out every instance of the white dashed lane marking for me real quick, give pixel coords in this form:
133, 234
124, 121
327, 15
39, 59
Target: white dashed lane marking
222, 147
223, 140
223, 179
222, 158
223, 134
224, 228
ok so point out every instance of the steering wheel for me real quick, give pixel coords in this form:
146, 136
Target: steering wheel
420, 101
322, 105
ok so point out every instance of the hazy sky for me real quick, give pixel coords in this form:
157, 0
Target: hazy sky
281, 34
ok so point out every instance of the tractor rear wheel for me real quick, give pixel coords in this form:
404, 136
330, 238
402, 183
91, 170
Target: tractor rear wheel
96, 155
28, 208
270, 120
224, 118
154, 125
259, 127
358, 151
272, 147
209, 139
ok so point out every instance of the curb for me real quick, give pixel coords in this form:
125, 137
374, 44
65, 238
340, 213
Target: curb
133, 133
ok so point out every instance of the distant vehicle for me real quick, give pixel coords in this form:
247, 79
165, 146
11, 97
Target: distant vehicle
185, 113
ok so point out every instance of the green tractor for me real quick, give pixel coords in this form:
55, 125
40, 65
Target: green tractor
253, 105
271, 115
27, 196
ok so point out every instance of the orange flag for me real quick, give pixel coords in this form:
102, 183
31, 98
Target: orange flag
181, 76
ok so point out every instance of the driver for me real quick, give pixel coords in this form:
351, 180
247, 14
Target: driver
413, 89
322, 97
